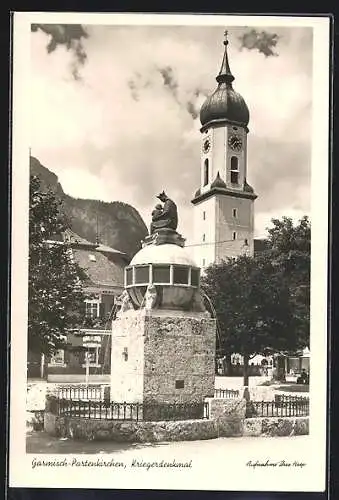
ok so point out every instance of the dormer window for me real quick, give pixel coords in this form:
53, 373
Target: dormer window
92, 257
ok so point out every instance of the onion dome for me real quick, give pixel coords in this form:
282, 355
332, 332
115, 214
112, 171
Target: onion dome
225, 103
218, 182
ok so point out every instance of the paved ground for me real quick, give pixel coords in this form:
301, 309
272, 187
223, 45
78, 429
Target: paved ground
39, 442
237, 383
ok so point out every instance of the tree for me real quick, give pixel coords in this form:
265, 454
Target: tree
290, 248
252, 305
262, 302
56, 297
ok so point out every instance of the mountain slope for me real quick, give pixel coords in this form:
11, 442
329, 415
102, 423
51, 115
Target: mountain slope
119, 225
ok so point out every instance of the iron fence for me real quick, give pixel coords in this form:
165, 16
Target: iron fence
131, 411
293, 408
286, 398
226, 393
83, 393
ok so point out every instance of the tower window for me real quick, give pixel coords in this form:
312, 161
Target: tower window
125, 354
234, 235
206, 172
204, 215
235, 212
203, 237
234, 170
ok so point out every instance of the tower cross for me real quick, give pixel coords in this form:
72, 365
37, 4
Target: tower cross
226, 35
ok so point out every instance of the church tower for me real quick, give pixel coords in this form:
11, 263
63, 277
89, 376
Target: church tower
224, 202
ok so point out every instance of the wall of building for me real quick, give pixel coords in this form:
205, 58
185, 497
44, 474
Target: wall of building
204, 232
226, 224
74, 363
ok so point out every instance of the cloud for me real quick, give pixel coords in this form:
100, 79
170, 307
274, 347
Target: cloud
69, 36
262, 41
133, 122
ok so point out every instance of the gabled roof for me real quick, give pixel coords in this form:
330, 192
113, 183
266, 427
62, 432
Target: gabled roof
105, 248
74, 239
95, 259
99, 268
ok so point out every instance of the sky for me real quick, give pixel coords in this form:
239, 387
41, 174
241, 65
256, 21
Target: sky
115, 111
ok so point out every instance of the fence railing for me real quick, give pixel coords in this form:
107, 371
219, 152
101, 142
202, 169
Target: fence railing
131, 411
226, 393
296, 408
286, 398
83, 393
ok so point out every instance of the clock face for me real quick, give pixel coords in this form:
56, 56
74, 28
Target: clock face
235, 143
206, 146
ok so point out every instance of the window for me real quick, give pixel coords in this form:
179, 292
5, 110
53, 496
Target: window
235, 212
92, 356
246, 242
179, 384
92, 257
235, 128
194, 277
92, 308
142, 274
234, 170
206, 172
58, 358
161, 274
203, 237
203, 262
125, 354
204, 215
129, 276
180, 275
234, 235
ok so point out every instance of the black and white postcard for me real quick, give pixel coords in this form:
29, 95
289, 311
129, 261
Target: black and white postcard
169, 259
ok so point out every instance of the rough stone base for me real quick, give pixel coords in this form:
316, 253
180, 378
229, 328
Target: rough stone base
184, 430
221, 407
133, 432
274, 426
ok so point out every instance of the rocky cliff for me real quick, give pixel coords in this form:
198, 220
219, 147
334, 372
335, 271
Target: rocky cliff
119, 224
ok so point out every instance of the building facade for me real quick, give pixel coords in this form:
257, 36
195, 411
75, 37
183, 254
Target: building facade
224, 201
89, 348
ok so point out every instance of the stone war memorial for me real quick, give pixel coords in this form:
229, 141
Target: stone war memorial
163, 340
